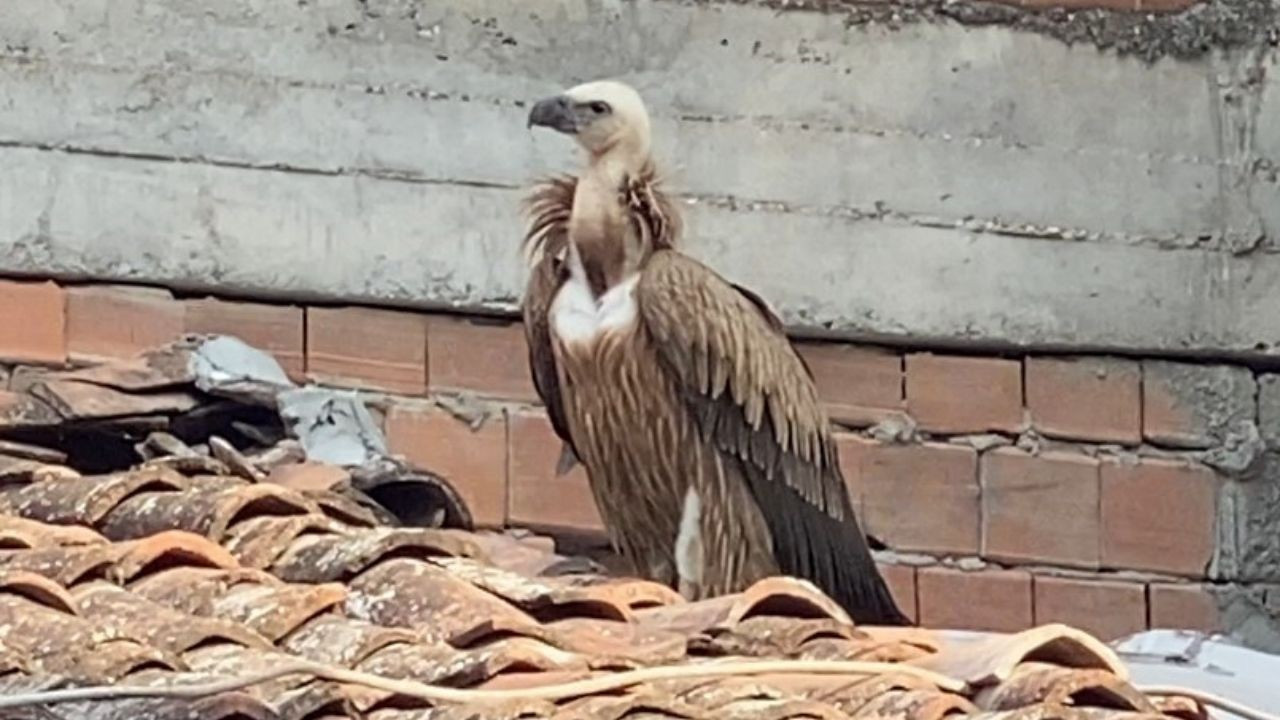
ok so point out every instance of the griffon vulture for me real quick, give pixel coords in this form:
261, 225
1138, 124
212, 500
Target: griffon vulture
709, 456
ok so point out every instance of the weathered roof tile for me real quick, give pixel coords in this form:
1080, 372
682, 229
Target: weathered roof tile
995, 658
194, 589
649, 704
1035, 682
85, 500
258, 542
224, 706
159, 369
230, 660
44, 640
343, 508
275, 611
76, 400
164, 549
155, 625
18, 533
206, 510
66, 565
336, 639
331, 557
38, 589
415, 594
20, 409
916, 704
850, 696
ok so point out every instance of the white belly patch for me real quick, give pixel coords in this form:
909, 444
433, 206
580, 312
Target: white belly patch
577, 318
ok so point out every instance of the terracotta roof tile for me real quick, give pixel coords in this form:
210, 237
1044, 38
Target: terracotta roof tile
39, 638
166, 548
344, 509
650, 705
38, 589
1034, 682
259, 542
406, 593
226, 706
442, 663
1181, 707
20, 534
83, 500
171, 573
154, 624
207, 510
18, 409
276, 611
334, 556
67, 565
164, 367
335, 638
614, 644
193, 589
76, 400
850, 696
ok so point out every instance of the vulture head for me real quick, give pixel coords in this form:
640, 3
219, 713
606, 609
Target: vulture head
605, 117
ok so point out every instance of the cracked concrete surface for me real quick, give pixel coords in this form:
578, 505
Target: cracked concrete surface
1203, 28
960, 181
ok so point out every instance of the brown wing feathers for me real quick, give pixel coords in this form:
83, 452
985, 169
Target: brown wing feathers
753, 399
721, 347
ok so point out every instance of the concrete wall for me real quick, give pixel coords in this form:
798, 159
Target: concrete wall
937, 181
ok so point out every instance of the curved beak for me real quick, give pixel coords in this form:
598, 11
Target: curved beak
556, 113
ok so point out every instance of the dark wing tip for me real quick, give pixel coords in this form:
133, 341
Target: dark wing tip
788, 460
831, 553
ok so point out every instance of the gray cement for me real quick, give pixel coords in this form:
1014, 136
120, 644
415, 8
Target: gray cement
939, 181
1219, 399
1269, 409
1249, 546
1202, 28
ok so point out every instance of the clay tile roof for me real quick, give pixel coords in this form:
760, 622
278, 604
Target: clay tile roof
226, 583
166, 574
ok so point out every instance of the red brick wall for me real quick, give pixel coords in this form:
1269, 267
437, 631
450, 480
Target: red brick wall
1058, 488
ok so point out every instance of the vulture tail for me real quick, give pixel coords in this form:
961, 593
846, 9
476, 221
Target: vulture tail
832, 554
808, 542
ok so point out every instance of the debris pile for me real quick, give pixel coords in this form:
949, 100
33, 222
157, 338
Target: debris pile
217, 406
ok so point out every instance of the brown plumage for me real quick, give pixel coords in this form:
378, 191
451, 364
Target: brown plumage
708, 453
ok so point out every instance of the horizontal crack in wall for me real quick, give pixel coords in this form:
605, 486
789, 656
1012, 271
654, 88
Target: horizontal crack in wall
880, 212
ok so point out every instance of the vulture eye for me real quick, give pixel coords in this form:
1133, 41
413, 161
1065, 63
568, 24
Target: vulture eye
599, 107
